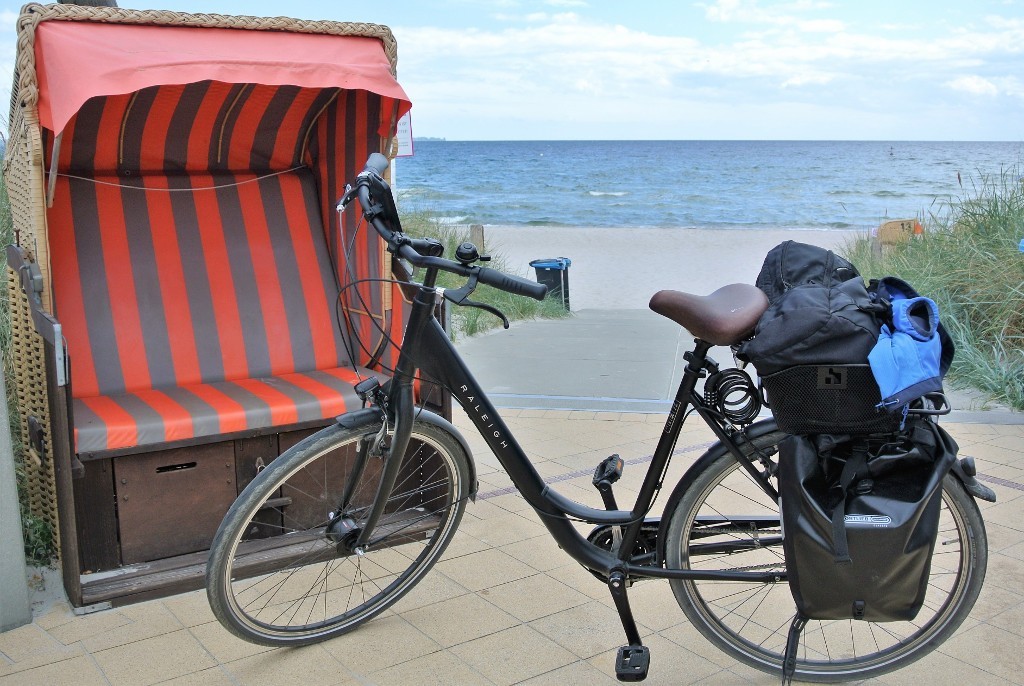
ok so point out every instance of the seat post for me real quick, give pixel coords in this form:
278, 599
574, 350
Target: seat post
697, 358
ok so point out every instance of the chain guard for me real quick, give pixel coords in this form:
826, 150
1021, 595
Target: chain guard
645, 550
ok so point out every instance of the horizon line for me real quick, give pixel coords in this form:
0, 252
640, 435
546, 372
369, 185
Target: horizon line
442, 139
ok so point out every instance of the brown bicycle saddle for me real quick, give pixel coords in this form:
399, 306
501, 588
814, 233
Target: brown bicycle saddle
721, 318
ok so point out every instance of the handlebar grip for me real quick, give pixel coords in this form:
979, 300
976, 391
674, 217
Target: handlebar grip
376, 163
512, 284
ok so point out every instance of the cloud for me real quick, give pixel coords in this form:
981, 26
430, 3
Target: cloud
554, 64
743, 11
568, 75
821, 26
563, 53
1012, 86
750, 12
807, 79
974, 85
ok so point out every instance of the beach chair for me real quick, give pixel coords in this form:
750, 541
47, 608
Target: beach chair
177, 270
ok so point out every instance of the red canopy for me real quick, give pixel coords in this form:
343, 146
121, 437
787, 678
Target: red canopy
76, 61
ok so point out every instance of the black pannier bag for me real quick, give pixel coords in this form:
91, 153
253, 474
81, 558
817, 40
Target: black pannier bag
811, 346
860, 520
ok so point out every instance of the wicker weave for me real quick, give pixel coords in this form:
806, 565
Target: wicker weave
28, 363
24, 172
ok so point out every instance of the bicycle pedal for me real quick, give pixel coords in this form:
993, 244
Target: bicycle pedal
609, 470
632, 663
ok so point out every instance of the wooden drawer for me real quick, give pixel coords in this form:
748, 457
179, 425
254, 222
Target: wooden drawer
171, 502
252, 456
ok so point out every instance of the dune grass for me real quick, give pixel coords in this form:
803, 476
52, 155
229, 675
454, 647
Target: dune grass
969, 262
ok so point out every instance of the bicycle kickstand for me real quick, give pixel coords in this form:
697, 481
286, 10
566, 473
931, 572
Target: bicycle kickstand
633, 660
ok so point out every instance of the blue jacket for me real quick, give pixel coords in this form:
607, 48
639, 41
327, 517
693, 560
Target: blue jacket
906, 359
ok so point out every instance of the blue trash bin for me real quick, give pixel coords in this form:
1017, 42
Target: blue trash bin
553, 272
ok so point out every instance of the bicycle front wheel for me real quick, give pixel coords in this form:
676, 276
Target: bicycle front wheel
726, 521
282, 570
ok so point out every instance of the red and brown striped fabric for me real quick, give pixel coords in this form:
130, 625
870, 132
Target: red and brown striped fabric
196, 253
161, 289
230, 280
174, 413
207, 126
335, 151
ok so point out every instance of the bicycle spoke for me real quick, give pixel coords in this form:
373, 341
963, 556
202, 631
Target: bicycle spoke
871, 628
296, 565
747, 621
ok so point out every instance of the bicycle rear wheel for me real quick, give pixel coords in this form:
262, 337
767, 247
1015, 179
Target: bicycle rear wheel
282, 570
750, 620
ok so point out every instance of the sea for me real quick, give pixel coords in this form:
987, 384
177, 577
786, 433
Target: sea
701, 184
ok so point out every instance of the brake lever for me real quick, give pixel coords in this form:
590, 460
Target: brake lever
343, 201
460, 296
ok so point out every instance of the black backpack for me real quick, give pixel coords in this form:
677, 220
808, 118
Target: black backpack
811, 345
790, 264
819, 312
860, 518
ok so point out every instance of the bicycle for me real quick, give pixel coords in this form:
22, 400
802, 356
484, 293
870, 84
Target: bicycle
346, 522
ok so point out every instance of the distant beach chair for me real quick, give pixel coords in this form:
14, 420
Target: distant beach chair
899, 231
894, 232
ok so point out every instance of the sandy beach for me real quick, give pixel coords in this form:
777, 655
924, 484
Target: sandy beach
622, 268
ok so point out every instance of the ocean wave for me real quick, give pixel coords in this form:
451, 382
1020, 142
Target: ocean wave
545, 222
889, 194
418, 192
600, 194
460, 219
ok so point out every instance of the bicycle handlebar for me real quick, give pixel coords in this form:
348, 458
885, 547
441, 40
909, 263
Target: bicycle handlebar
512, 284
409, 248
376, 163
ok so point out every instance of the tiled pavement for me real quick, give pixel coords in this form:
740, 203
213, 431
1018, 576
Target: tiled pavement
505, 606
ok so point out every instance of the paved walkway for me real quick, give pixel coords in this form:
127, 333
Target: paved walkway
505, 606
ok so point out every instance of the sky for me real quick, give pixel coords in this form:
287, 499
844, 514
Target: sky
712, 69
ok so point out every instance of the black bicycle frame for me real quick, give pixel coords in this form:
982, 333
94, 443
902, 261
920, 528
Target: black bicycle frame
427, 348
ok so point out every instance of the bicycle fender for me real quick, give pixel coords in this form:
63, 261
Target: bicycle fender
978, 490
360, 419
716, 451
369, 417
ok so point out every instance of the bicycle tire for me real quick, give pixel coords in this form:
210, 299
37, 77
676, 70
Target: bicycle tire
275, 578
750, 621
